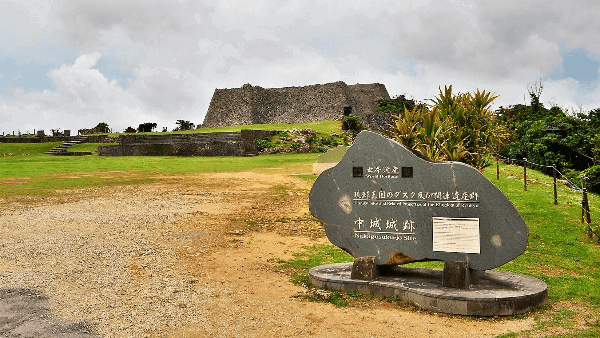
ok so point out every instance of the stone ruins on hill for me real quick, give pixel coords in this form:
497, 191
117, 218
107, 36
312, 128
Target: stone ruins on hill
256, 105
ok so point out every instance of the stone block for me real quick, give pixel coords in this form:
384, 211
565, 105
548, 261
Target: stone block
364, 268
385, 201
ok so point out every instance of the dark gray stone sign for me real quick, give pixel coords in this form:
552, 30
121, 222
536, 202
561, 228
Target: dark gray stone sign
384, 202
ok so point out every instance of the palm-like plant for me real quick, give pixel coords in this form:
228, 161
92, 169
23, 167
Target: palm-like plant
458, 127
407, 126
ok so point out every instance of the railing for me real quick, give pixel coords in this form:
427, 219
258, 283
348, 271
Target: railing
586, 216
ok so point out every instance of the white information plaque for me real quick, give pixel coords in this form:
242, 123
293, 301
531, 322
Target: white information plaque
456, 235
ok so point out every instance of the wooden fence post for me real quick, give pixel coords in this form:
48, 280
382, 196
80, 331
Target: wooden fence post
585, 208
497, 168
554, 175
525, 173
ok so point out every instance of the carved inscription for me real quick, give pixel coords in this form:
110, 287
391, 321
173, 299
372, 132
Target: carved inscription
383, 172
389, 229
465, 199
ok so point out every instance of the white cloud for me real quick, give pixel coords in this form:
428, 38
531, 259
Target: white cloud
166, 89
83, 97
168, 57
81, 84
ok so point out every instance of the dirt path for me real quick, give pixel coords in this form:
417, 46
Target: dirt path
189, 256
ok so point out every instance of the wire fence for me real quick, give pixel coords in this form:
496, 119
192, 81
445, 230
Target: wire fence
586, 215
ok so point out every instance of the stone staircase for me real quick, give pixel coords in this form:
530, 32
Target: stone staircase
62, 149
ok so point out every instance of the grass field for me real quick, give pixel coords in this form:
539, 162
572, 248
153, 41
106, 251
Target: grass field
559, 250
30, 172
37, 174
326, 127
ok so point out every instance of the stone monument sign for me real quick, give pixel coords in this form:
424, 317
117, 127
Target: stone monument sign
387, 205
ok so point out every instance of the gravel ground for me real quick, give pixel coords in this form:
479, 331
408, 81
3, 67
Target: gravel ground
166, 259
104, 259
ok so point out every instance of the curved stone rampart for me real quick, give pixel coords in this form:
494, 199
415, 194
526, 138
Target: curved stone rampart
256, 105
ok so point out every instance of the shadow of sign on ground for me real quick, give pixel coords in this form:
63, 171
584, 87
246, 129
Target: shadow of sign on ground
24, 313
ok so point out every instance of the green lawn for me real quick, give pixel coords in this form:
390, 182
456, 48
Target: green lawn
559, 250
40, 174
327, 127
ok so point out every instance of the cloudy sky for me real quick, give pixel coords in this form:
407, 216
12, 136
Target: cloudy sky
72, 64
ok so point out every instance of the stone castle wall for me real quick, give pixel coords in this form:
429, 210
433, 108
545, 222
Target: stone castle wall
195, 144
257, 105
231, 148
88, 139
37, 139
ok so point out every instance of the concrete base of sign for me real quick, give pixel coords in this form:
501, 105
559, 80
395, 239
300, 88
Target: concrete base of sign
496, 293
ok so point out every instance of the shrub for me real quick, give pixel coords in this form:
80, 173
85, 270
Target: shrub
329, 141
455, 127
264, 143
284, 135
100, 128
352, 124
183, 125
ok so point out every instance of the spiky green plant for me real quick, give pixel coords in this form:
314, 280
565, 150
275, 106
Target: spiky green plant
454, 127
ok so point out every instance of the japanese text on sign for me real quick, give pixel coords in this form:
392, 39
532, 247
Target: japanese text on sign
446, 199
377, 228
382, 172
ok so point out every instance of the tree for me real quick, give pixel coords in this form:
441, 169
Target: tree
100, 128
146, 127
396, 105
551, 136
534, 94
130, 130
184, 125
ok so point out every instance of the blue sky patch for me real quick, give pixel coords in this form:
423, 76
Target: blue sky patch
578, 64
113, 69
29, 77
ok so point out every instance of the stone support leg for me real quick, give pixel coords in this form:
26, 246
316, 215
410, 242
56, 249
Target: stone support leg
364, 268
458, 275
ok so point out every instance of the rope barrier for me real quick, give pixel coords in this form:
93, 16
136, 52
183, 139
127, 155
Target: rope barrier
568, 196
543, 166
563, 177
568, 183
507, 158
573, 186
